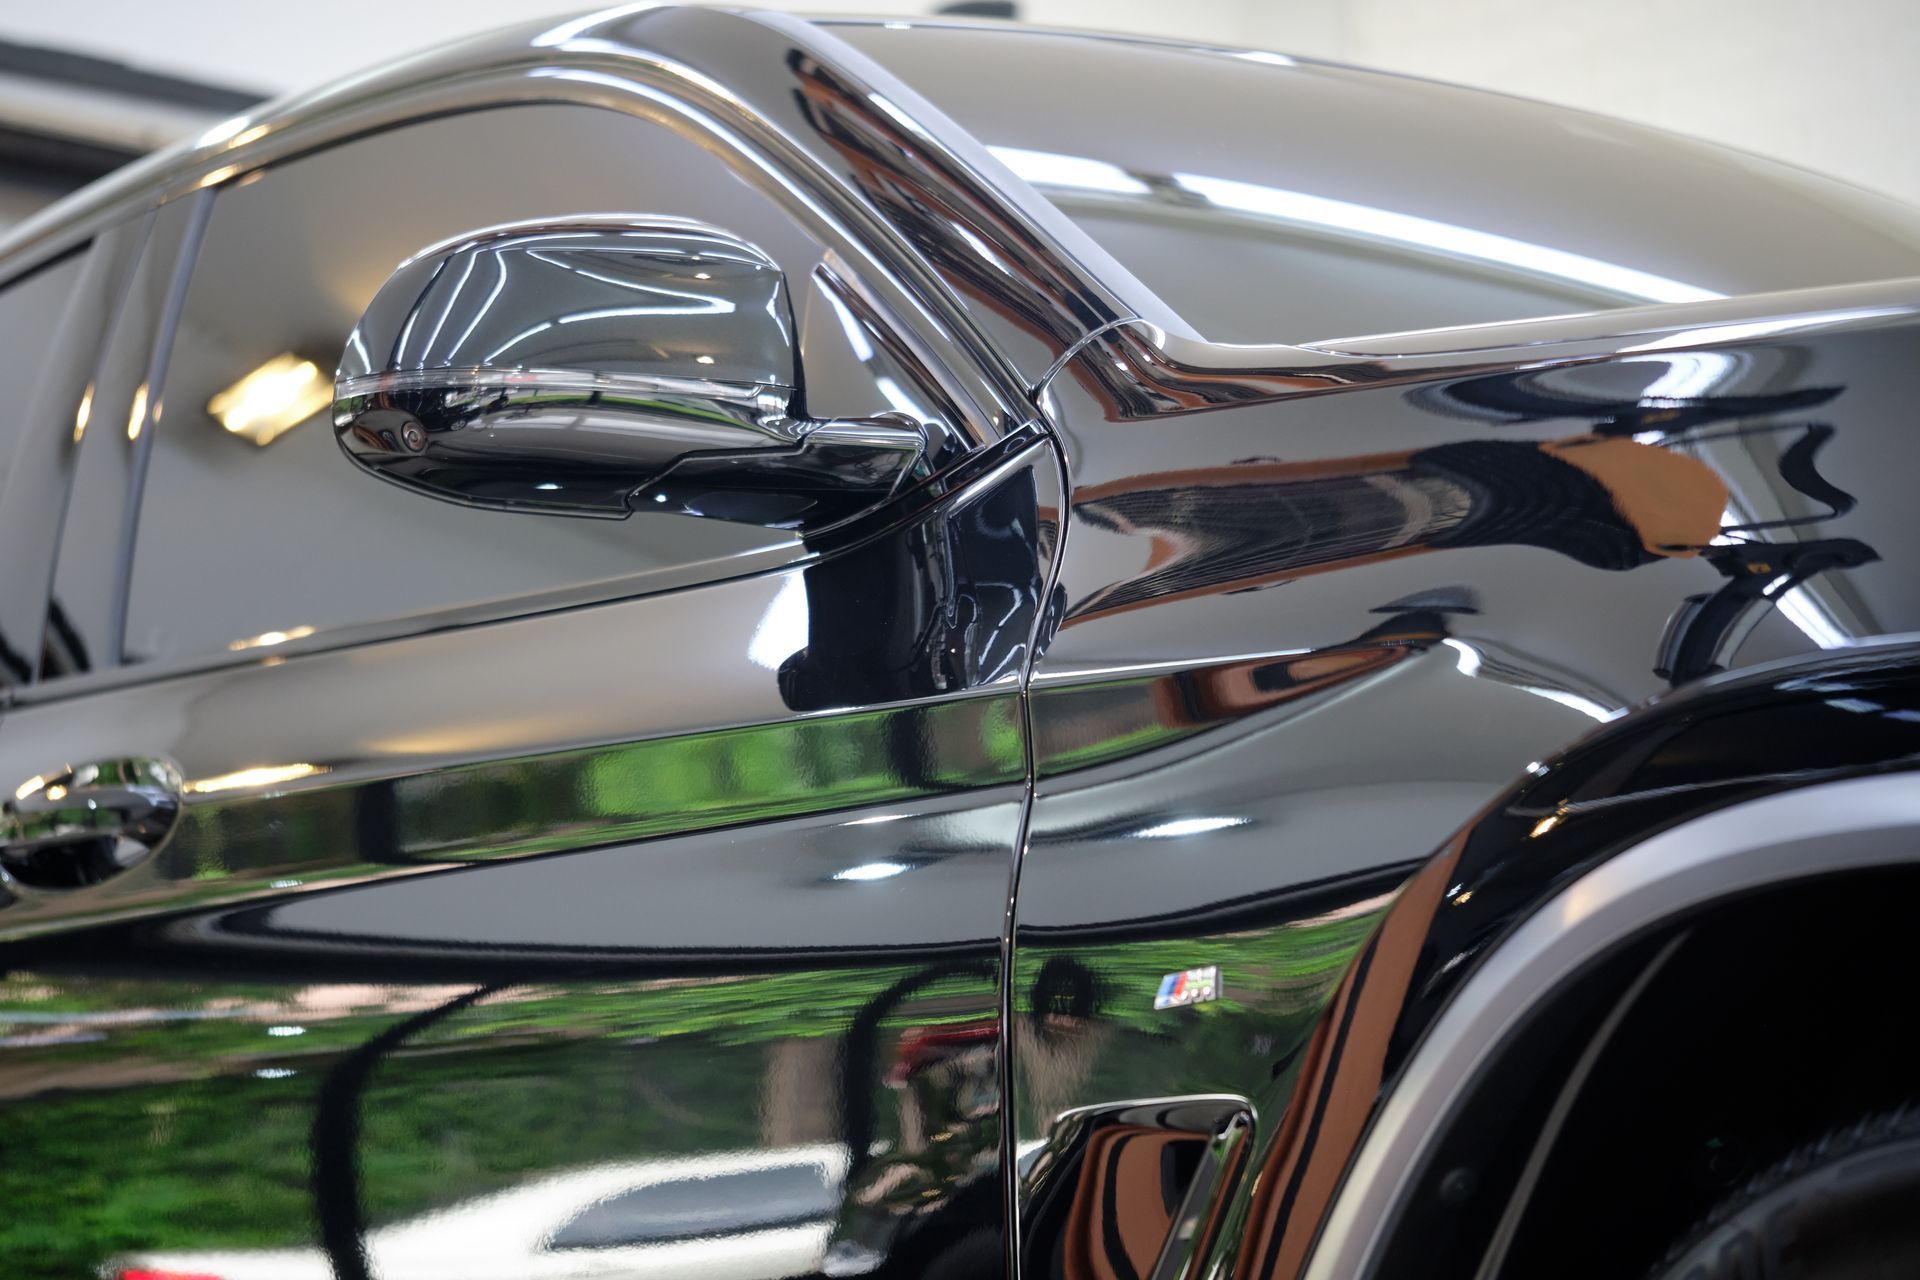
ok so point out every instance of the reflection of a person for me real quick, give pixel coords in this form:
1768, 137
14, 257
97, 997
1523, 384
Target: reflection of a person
1611, 503
927, 1203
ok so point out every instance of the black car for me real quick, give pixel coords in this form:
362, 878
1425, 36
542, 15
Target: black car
844, 681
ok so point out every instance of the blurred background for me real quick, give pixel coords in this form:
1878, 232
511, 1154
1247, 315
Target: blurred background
87, 85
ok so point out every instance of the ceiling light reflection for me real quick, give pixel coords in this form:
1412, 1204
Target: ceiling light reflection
267, 639
1799, 607
138, 415
1443, 238
1051, 169
1474, 660
1344, 217
1585, 706
783, 628
226, 129
1746, 330
565, 31
272, 399
873, 871
695, 306
1686, 375
856, 333
1468, 659
1188, 827
264, 775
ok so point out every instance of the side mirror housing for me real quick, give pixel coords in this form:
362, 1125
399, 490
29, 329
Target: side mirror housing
599, 365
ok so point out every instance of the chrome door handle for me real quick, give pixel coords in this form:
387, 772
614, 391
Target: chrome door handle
86, 823
1099, 1194
1228, 1135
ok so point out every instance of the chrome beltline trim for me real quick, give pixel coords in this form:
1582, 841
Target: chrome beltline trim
1860, 823
231, 850
963, 483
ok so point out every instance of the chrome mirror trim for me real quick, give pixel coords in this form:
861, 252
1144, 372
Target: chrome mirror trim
1086, 1147
566, 366
465, 300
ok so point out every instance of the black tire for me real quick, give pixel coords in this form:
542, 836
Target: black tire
1846, 1207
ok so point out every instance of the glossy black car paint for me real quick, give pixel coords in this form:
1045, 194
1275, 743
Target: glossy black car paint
1792, 725
1795, 725
1450, 564
1191, 660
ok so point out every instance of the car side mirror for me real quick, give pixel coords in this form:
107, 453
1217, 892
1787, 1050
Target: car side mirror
601, 365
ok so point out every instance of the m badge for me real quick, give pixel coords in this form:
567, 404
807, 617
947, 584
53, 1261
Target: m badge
1189, 986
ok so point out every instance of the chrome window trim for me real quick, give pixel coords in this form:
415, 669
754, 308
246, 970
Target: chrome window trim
974, 474
494, 72
102, 266
587, 63
595, 61
1144, 371
1841, 826
255, 651
159, 356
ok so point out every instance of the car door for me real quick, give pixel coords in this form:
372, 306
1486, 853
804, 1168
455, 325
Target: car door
399, 887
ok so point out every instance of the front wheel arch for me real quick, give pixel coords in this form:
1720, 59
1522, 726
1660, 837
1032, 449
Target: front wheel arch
1707, 1047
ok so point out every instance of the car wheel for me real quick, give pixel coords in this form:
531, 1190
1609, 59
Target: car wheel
1846, 1207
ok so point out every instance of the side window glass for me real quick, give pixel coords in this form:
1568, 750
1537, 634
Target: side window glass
79, 635
252, 530
30, 309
